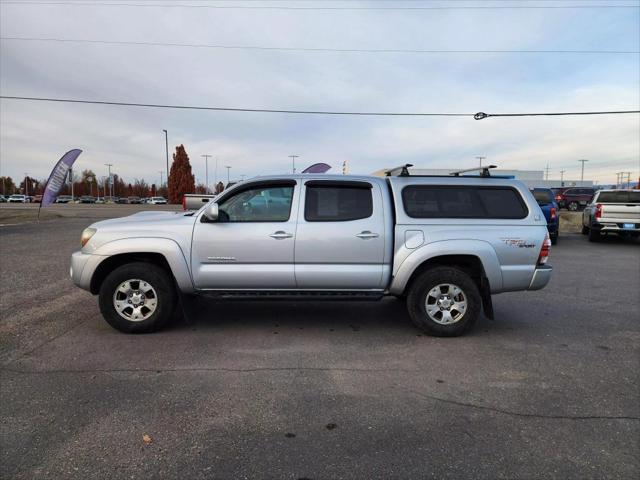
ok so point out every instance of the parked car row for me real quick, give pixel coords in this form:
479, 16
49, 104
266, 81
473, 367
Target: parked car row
18, 198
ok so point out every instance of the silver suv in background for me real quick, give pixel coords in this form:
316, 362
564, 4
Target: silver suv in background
612, 211
444, 244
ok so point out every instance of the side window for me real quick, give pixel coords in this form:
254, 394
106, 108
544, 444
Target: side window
426, 201
260, 204
329, 203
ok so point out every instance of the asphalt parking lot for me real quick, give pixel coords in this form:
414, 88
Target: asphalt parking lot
550, 388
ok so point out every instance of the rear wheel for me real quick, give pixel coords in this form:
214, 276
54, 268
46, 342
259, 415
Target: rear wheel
594, 235
585, 230
138, 298
444, 302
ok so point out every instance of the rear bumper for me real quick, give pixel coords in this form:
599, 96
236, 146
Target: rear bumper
615, 227
541, 277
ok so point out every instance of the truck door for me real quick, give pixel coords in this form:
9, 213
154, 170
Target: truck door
251, 244
340, 237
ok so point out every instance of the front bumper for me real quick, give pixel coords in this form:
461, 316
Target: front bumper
82, 267
541, 277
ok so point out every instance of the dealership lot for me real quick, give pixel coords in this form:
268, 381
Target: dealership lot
316, 390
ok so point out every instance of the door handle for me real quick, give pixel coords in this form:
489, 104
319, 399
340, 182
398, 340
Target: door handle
280, 235
367, 234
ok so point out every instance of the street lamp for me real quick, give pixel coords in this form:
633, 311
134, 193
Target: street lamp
480, 158
293, 161
26, 184
108, 165
166, 146
228, 167
206, 171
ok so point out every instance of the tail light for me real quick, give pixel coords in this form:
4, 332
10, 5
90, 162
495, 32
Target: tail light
184, 202
544, 251
553, 213
558, 197
598, 210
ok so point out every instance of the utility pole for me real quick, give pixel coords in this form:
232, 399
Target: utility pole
160, 172
293, 161
480, 158
228, 167
166, 147
108, 165
26, 184
582, 174
206, 171
628, 179
215, 175
547, 172
562, 177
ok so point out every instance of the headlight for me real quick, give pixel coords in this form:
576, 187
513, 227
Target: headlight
87, 233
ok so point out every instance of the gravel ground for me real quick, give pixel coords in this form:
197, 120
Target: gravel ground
295, 390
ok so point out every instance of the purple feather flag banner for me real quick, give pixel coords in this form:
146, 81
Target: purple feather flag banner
58, 177
317, 168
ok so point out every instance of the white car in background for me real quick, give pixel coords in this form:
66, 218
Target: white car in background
158, 201
19, 199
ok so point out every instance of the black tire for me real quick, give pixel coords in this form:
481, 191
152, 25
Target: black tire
419, 291
164, 293
585, 230
594, 235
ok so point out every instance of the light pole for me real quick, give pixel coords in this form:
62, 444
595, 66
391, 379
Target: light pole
582, 174
108, 165
480, 158
166, 147
206, 171
228, 167
160, 171
562, 177
293, 161
26, 184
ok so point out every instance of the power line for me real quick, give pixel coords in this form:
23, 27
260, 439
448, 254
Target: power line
290, 7
306, 49
477, 116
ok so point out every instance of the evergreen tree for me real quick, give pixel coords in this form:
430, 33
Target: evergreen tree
181, 180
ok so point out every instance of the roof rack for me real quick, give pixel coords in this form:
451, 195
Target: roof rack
401, 171
484, 171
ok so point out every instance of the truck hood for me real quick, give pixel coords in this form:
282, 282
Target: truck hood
141, 219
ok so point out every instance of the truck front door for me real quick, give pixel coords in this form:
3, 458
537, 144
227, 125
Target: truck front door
340, 237
251, 245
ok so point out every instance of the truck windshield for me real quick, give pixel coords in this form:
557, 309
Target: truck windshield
619, 197
543, 197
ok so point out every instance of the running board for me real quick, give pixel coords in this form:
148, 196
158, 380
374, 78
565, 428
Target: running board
291, 295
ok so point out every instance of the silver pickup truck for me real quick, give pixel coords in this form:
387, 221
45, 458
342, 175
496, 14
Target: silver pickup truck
612, 211
444, 244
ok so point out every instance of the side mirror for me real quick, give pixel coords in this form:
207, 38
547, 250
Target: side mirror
211, 212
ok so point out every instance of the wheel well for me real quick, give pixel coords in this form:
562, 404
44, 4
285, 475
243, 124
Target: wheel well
470, 264
110, 264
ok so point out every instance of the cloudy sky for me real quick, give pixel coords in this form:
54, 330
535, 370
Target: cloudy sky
34, 135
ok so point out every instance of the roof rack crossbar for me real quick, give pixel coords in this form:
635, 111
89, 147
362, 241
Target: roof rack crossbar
401, 171
484, 171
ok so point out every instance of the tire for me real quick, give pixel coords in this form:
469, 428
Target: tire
594, 235
430, 286
143, 283
573, 206
585, 230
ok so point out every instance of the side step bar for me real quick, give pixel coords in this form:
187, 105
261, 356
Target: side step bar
290, 295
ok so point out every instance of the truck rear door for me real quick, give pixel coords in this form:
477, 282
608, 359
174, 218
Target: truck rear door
340, 236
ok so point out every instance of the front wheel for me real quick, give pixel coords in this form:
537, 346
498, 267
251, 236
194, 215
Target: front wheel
444, 302
138, 298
